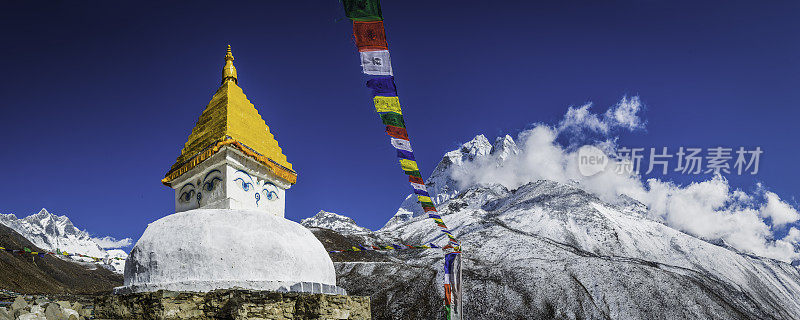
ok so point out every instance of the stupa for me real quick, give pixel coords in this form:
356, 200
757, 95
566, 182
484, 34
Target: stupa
229, 231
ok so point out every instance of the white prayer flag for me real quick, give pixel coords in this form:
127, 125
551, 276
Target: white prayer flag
420, 187
402, 144
376, 63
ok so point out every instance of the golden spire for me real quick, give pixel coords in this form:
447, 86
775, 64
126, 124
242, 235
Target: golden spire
229, 71
231, 119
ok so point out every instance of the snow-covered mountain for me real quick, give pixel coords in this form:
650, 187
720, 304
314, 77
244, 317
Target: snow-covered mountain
549, 250
332, 221
441, 185
52, 232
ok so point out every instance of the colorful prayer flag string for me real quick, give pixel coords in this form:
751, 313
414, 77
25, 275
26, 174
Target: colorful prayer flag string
359, 247
28, 251
370, 39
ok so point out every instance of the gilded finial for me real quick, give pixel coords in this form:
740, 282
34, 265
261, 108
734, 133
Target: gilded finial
229, 71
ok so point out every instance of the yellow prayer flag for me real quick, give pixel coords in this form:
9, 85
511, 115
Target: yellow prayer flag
424, 199
387, 104
356, 249
409, 165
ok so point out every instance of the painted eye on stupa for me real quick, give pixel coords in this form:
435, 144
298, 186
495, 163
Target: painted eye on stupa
209, 185
245, 185
242, 182
210, 180
270, 191
187, 196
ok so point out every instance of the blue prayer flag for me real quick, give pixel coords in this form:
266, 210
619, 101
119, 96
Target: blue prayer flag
382, 86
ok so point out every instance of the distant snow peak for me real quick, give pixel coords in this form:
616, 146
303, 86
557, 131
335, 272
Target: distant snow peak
441, 184
333, 221
53, 232
504, 147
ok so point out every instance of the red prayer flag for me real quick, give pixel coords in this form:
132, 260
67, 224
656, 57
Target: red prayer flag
397, 132
414, 179
369, 35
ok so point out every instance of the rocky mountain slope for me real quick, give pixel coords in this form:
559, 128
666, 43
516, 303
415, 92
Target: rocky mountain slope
51, 232
553, 251
48, 275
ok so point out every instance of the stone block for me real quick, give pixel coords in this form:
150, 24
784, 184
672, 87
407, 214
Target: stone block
231, 304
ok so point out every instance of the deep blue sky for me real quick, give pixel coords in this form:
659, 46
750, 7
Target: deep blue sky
98, 97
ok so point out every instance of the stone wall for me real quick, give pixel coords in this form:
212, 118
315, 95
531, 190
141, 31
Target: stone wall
231, 304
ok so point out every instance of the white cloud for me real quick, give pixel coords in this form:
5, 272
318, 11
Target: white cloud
780, 212
580, 118
623, 115
112, 243
793, 236
707, 209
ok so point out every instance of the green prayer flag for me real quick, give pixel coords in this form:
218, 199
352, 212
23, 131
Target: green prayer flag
27, 250
393, 119
414, 173
427, 204
363, 10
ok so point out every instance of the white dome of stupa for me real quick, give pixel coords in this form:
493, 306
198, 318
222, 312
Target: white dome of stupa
206, 249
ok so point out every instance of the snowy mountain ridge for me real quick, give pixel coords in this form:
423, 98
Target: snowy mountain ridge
333, 221
441, 185
553, 250
52, 232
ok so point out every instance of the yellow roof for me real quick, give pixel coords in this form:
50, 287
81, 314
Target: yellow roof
231, 116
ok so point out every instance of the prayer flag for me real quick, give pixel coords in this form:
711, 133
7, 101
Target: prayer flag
362, 10
419, 186
405, 154
387, 104
408, 165
424, 199
416, 180
376, 63
397, 132
382, 86
421, 193
369, 35
452, 284
414, 173
401, 144
393, 119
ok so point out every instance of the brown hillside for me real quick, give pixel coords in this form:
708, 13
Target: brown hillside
48, 275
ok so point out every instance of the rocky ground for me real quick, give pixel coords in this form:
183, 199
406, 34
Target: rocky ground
30, 307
